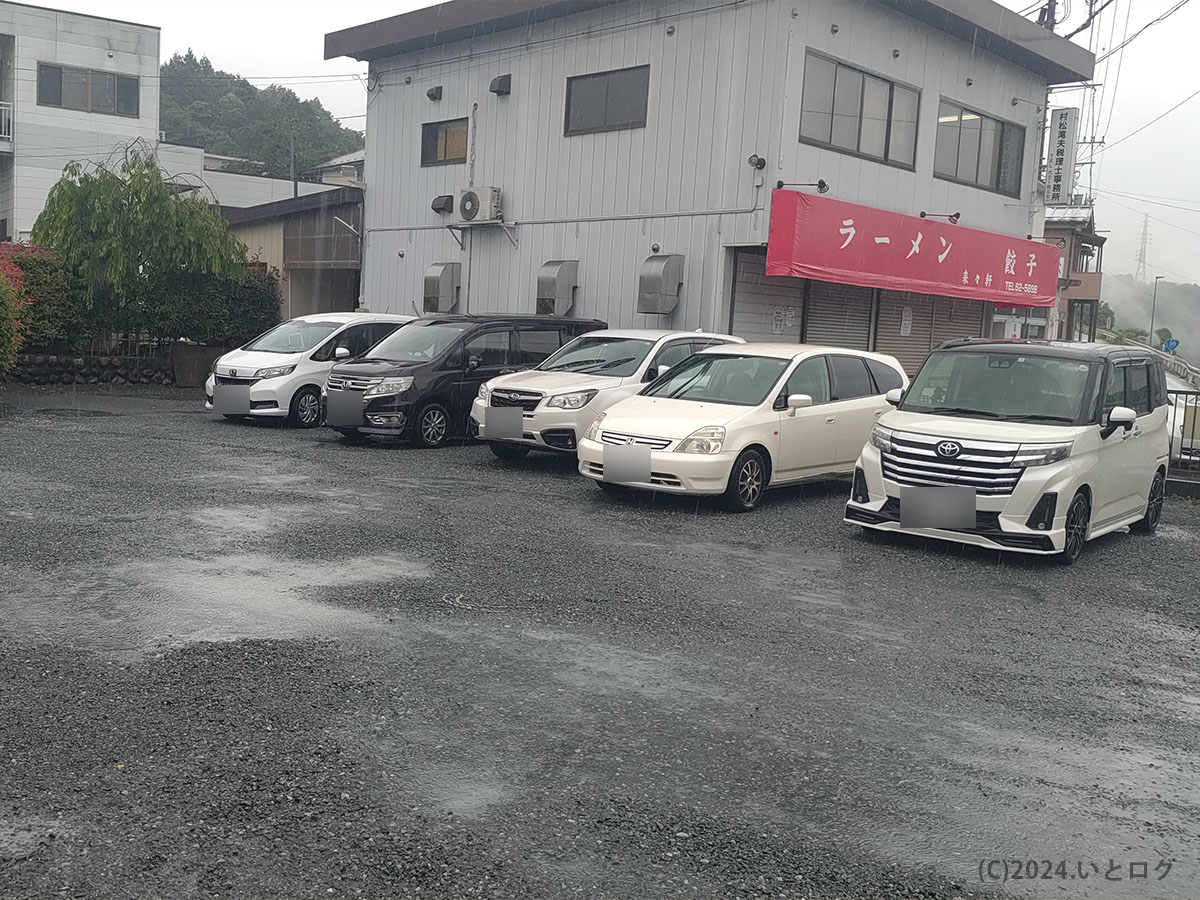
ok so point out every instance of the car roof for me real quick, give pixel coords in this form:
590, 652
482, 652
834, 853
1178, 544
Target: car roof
793, 351
520, 319
1061, 349
345, 317
657, 334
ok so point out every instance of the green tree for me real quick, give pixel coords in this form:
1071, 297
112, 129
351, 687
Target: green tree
205, 107
1108, 319
1130, 335
1163, 335
127, 234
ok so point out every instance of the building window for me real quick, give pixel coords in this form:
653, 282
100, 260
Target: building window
979, 150
87, 90
860, 113
607, 101
443, 143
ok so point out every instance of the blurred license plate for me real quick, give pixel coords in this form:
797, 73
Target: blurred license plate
344, 409
630, 463
231, 399
937, 507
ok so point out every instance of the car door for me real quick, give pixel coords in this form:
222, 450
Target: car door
807, 437
1116, 487
485, 354
1139, 395
856, 404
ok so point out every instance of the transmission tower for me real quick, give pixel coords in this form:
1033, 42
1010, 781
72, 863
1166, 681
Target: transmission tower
1140, 273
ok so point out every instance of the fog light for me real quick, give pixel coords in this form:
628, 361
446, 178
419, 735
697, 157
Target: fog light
385, 420
1042, 517
858, 491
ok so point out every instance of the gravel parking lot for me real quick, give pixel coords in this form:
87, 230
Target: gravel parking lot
245, 661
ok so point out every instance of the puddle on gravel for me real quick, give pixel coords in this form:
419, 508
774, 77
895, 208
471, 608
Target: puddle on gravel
22, 838
68, 413
147, 605
1177, 533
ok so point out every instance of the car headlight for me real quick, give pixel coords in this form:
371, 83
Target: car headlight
709, 439
274, 371
213, 369
578, 400
389, 386
881, 438
483, 392
593, 430
1040, 455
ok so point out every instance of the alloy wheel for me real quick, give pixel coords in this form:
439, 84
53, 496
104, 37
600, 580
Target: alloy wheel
308, 409
1077, 524
1155, 506
433, 426
750, 482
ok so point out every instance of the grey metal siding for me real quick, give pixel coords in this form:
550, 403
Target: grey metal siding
838, 315
756, 296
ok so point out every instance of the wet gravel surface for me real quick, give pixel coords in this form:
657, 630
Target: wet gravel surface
245, 661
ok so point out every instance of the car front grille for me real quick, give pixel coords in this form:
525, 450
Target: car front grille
351, 383
225, 379
527, 400
983, 465
619, 439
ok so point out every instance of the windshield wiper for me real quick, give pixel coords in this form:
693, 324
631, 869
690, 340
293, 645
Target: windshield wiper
571, 365
961, 411
1034, 417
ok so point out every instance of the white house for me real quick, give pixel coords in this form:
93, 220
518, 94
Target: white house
635, 148
77, 87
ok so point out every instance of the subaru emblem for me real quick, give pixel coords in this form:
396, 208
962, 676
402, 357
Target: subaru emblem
948, 449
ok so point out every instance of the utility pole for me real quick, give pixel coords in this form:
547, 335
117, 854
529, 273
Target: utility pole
295, 184
1048, 14
1153, 306
1140, 272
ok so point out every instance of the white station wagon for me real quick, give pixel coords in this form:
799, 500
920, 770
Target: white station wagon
737, 419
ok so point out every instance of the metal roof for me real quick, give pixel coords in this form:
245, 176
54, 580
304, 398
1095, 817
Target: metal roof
304, 203
981, 23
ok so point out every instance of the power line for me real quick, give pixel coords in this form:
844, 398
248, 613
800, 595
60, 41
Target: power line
1150, 202
1178, 6
1151, 122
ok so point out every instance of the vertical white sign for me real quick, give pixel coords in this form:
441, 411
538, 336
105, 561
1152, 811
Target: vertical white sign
1060, 173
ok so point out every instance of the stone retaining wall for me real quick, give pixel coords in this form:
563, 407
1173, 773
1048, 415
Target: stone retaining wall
36, 368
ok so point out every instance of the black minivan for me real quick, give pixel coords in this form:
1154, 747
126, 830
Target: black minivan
419, 382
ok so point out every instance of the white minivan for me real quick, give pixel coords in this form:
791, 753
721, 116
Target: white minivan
561, 397
1035, 447
281, 373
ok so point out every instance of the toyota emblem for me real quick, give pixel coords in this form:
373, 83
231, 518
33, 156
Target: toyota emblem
948, 449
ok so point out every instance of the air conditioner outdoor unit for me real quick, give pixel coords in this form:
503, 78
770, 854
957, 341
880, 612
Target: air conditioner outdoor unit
479, 204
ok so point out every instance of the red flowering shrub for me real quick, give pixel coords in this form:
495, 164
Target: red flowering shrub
15, 309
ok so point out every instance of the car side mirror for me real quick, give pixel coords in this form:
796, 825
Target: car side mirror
341, 353
798, 401
473, 363
1118, 417
894, 396
654, 371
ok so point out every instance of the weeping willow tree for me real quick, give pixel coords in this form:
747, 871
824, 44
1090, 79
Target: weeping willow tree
132, 236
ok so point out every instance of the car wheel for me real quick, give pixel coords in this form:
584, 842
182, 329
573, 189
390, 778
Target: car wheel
1079, 513
432, 426
1154, 504
747, 481
508, 451
306, 408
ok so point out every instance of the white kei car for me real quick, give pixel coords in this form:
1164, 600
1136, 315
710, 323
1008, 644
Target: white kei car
738, 419
562, 396
281, 373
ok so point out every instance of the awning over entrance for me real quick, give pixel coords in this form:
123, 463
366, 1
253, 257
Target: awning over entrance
815, 237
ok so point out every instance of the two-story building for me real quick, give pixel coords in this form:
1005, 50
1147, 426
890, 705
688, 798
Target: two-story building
75, 86
855, 172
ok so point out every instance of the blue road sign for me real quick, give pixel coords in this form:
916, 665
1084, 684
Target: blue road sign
1169, 346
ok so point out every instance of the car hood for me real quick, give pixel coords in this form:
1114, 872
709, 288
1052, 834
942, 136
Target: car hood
552, 382
667, 418
376, 368
247, 362
977, 429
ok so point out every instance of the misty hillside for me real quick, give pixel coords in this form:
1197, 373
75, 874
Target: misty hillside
1178, 309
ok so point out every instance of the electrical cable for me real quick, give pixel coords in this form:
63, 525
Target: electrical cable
1151, 122
1174, 9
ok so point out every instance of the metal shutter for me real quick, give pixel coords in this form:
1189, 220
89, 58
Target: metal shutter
912, 348
955, 318
756, 297
839, 315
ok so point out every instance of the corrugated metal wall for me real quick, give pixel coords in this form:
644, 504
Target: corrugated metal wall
756, 297
912, 348
838, 315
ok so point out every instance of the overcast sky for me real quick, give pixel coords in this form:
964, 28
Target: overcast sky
1152, 172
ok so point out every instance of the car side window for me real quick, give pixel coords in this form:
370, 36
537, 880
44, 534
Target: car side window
886, 378
1137, 388
673, 354
850, 378
355, 339
492, 347
810, 377
536, 344
380, 330
1114, 392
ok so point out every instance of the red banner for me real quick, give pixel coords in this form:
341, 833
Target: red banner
815, 237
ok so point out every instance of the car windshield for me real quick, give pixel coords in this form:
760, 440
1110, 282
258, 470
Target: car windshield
293, 337
615, 356
1003, 385
419, 343
720, 378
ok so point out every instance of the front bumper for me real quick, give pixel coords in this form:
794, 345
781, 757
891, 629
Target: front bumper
543, 429
675, 473
269, 398
1002, 522
386, 416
